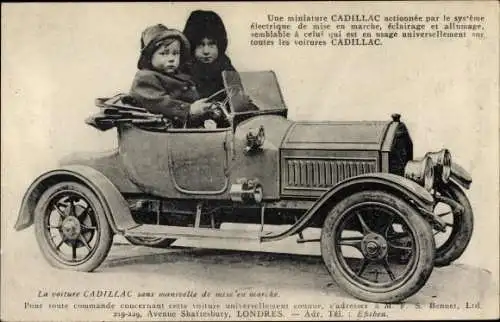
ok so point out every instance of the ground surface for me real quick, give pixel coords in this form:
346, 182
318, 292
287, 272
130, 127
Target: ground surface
299, 278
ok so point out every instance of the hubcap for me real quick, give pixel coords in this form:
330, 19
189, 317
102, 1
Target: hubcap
374, 246
71, 227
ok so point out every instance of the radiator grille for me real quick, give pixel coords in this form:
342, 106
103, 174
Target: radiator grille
324, 173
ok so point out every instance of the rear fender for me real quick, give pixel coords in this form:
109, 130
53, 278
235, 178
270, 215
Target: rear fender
460, 175
397, 185
115, 206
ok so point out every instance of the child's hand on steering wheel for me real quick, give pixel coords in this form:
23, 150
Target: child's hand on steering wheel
199, 107
216, 112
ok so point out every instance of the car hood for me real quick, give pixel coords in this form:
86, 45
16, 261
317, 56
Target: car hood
357, 135
331, 135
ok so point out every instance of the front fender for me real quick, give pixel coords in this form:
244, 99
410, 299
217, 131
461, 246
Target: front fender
115, 206
460, 175
404, 188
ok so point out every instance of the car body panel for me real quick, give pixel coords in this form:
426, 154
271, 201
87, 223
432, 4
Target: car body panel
316, 156
263, 164
460, 175
182, 163
109, 163
398, 185
116, 208
362, 135
175, 163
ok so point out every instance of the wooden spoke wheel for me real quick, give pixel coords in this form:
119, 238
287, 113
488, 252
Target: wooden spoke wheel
362, 239
71, 227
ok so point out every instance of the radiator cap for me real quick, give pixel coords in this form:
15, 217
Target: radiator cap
396, 117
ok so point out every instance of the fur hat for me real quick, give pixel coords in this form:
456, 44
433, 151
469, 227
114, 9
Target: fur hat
153, 37
205, 24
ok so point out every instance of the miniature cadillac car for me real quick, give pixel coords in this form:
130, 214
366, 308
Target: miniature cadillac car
386, 218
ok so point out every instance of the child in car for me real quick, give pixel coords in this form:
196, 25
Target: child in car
159, 86
208, 38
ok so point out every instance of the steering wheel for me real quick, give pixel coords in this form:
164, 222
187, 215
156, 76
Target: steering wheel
220, 111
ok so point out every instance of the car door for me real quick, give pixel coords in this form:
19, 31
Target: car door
176, 162
198, 160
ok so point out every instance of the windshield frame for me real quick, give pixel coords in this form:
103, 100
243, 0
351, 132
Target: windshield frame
229, 77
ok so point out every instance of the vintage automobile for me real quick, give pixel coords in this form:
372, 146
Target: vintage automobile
386, 218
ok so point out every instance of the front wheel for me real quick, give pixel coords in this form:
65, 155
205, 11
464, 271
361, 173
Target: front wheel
459, 226
71, 227
362, 238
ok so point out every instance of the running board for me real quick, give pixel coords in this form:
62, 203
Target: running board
178, 232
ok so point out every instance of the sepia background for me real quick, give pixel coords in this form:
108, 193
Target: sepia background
57, 58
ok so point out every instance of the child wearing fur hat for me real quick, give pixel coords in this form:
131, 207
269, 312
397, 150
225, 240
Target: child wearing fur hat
158, 86
208, 38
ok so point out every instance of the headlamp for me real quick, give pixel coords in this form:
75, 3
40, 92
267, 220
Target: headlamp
442, 164
421, 171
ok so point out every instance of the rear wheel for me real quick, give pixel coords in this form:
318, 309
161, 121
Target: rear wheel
71, 227
362, 238
158, 242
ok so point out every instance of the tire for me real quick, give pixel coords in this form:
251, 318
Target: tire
377, 216
157, 242
461, 231
69, 218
